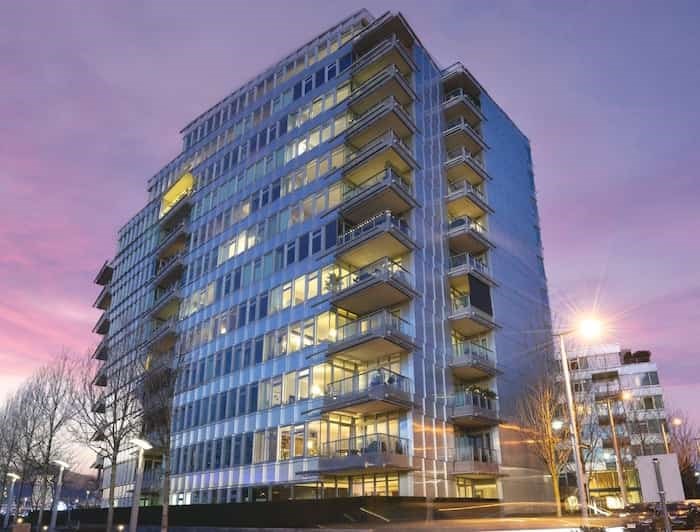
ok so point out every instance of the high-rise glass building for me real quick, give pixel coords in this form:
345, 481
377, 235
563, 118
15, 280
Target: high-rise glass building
344, 265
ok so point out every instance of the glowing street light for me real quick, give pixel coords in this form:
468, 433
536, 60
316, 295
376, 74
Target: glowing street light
589, 329
14, 477
57, 497
557, 424
676, 422
143, 446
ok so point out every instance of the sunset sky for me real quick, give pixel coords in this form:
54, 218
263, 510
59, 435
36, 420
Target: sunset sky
93, 95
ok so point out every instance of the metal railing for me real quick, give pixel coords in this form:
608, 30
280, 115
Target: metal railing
461, 222
388, 175
467, 259
463, 124
377, 50
365, 381
390, 137
384, 268
159, 327
460, 93
466, 452
362, 445
384, 220
471, 351
464, 153
464, 187
182, 195
376, 322
165, 263
165, 294
477, 400
387, 72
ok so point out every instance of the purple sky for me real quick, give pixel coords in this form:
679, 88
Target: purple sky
93, 94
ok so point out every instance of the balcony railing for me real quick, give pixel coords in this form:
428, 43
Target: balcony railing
160, 328
464, 187
383, 269
465, 154
460, 93
378, 50
385, 221
463, 124
365, 445
389, 137
376, 322
468, 453
365, 381
167, 238
468, 260
479, 401
471, 351
389, 176
466, 222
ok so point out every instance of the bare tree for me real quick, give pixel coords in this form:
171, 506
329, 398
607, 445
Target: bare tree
682, 441
539, 413
107, 418
55, 391
27, 460
10, 421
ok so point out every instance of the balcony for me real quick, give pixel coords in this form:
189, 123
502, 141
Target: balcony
463, 264
618, 418
459, 104
461, 165
371, 392
466, 235
163, 335
475, 462
459, 134
607, 393
474, 410
104, 299
471, 362
169, 270
177, 210
387, 83
102, 350
104, 276
387, 115
385, 151
372, 337
602, 376
380, 236
167, 303
365, 454
456, 76
384, 283
622, 441
100, 379
384, 191
388, 52
174, 241
102, 325
464, 199
467, 319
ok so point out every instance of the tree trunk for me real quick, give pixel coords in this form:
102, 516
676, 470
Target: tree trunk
110, 496
557, 494
42, 503
165, 491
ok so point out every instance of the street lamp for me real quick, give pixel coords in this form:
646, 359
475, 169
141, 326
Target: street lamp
676, 422
143, 446
557, 424
8, 505
57, 496
589, 329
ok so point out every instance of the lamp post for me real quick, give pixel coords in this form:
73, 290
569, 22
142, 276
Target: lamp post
57, 496
616, 447
588, 328
676, 422
8, 502
143, 446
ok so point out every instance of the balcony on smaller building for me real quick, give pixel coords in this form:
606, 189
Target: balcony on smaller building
474, 410
459, 134
475, 462
100, 379
100, 405
365, 454
461, 165
470, 361
167, 302
380, 236
467, 319
104, 299
390, 51
173, 241
102, 350
463, 264
466, 235
623, 440
387, 83
177, 210
465, 199
372, 392
372, 337
163, 335
384, 283
384, 191
618, 418
169, 270
102, 325
387, 115
104, 276
385, 151
459, 104
607, 392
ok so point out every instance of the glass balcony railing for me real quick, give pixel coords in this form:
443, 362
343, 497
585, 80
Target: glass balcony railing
468, 260
385, 221
388, 138
460, 93
462, 124
479, 401
365, 445
366, 381
376, 322
470, 351
465, 452
465, 154
386, 103
462, 222
388, 176
464, 187
162, 327
383, 269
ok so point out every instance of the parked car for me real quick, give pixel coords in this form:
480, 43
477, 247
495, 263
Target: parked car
638, 517
683, 515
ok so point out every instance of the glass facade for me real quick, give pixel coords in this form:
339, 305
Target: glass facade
339, 267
